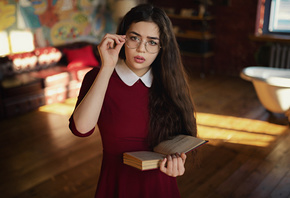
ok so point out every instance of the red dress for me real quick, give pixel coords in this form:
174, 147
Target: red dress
123, 125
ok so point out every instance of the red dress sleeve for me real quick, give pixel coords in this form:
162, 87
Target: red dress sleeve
86, 84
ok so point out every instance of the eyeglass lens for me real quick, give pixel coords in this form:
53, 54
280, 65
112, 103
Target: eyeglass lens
151, 46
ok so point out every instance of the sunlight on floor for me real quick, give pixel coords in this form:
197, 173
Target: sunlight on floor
237, 130
65, 108
218, 128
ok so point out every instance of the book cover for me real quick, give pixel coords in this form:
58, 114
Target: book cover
146, 160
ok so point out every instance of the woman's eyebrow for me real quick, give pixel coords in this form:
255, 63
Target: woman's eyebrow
150, 37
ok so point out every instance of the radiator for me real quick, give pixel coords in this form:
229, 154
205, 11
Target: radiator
280, 56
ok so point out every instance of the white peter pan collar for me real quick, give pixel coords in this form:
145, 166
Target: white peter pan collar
129, 77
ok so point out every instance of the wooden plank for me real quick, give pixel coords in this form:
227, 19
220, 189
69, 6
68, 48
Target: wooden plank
269, 183
21, 183
283, 188
78, 181
253, 180
33, 144
208, 167
213, 182
281, 161
234, 181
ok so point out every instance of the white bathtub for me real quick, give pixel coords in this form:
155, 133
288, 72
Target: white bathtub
272, 86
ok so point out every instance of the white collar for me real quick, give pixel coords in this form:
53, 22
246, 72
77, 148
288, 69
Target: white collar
129, 77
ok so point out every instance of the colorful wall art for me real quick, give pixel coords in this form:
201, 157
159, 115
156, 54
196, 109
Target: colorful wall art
56, 22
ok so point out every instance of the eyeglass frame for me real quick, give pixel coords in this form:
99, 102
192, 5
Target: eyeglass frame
139, 43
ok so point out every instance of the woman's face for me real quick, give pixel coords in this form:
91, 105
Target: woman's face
139, 59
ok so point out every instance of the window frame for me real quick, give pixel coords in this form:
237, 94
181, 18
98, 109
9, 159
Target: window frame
266, 20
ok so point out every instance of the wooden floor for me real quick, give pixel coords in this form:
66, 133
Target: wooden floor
247, 155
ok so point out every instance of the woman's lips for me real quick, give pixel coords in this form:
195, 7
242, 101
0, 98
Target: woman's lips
139, 59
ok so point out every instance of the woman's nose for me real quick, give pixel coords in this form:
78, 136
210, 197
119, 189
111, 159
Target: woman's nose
141, 47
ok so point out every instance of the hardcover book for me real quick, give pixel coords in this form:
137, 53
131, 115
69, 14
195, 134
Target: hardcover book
146, 160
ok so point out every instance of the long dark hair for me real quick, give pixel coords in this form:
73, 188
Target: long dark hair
170, 104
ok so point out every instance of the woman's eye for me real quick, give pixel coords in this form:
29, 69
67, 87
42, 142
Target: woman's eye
152, 43
134, 38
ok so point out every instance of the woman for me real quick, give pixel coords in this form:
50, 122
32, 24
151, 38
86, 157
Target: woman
138, 98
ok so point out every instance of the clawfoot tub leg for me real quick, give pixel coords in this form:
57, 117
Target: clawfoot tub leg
276, 118
287, 113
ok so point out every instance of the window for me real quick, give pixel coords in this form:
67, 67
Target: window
276, 17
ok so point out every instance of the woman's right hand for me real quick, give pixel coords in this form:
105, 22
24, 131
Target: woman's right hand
87, 113
109, 49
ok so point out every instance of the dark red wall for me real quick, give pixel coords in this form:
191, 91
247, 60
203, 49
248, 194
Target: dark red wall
234, 21
233, 25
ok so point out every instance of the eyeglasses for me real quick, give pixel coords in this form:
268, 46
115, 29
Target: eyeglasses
134, 42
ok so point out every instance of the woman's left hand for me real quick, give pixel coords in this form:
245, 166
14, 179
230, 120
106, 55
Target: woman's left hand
174, 166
